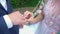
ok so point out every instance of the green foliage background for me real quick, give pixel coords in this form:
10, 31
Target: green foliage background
23, 3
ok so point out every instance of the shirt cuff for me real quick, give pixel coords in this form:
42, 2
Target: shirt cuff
8, 21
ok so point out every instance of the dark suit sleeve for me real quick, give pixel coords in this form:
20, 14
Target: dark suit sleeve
4, 29
3, 26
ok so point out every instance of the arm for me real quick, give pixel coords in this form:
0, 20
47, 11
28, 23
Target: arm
32, 19
13, 17
38, 18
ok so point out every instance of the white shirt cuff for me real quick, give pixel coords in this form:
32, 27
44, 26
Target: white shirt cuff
8, 21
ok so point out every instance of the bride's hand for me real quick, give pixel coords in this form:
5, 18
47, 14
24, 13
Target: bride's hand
28, 16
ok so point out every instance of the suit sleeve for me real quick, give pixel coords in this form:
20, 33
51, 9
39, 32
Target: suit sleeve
8, 21
3, 26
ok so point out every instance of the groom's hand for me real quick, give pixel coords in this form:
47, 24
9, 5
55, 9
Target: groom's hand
17, 18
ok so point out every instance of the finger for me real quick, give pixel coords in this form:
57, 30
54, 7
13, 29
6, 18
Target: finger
27, 15
26, 12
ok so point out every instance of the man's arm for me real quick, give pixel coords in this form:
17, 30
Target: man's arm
8, 21
15, 17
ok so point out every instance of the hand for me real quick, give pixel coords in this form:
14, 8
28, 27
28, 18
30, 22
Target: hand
28, 16
31, 18
17, 18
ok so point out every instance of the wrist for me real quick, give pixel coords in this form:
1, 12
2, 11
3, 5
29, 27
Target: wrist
11, 18
16, 18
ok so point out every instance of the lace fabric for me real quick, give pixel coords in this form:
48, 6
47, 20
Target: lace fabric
53, 22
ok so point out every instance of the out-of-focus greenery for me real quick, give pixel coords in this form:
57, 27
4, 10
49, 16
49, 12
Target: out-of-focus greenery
24, 3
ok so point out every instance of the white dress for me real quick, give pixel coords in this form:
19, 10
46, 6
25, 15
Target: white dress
50, 22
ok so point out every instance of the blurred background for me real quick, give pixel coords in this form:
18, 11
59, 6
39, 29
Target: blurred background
24, 5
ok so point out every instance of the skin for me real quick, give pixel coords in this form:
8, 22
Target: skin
17, 18
40, 17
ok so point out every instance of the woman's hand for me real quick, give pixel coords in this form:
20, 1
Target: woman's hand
28, 16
